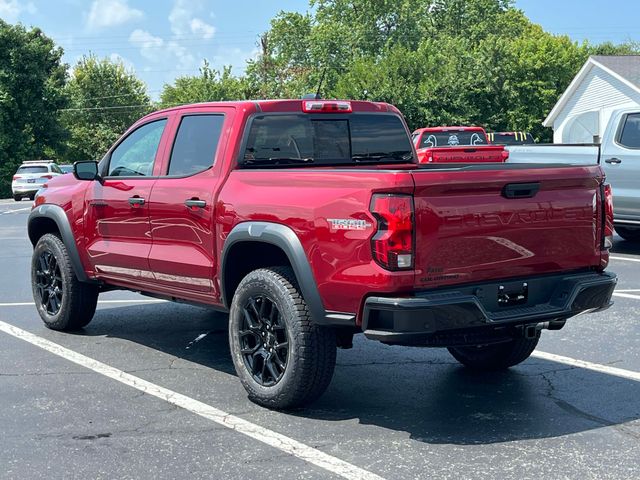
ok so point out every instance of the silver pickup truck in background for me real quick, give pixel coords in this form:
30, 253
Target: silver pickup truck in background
619, 153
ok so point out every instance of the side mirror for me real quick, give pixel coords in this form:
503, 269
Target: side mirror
86, 170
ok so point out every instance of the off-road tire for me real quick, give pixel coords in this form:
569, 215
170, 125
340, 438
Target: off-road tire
311, 355
495, 357
629, 233
78, 299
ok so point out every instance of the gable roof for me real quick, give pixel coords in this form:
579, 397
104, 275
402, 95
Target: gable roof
625, 68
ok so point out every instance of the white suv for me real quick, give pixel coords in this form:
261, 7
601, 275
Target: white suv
31, 176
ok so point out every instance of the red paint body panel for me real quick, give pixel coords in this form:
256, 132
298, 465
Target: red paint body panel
465, 230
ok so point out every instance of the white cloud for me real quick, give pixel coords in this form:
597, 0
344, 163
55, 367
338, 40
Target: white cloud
201, 28
183, 20
150, 46
158, 51
10, 10
110, 13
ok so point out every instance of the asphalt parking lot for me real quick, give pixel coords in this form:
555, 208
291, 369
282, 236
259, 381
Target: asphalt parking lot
148, 390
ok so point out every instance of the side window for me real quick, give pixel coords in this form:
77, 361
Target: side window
136, 153
194, 149
630, 134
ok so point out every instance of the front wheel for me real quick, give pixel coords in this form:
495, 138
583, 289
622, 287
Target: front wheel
282, 358
63, 302
496, 357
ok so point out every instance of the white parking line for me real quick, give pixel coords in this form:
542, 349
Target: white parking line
15, 210
142, 300
627, 259
626, 295
596, 367
264, 435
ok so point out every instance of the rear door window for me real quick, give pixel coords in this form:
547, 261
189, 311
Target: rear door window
195, 146
630, 134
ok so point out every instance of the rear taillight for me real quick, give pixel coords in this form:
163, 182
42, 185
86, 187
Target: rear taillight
48, 177
392, 245
607, 230
505, 155
16, 177
311, 106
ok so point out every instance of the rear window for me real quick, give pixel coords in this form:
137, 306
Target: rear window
33, 169
511, 138
325, 139
452, 138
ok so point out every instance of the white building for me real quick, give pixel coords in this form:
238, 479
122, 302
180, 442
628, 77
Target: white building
605, 83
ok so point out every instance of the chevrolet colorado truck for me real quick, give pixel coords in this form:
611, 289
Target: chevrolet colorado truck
456, 145
310, 221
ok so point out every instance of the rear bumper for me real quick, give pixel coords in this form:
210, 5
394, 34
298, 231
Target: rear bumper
454, 316
26, 189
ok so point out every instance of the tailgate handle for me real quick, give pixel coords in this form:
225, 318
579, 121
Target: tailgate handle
520, 190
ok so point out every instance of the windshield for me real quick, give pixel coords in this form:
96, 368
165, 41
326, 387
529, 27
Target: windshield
327, 139
452, 138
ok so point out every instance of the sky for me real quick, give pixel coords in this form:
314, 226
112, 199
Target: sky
164, 39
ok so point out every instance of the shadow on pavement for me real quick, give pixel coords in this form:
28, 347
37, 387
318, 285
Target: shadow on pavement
422, 392
625, 246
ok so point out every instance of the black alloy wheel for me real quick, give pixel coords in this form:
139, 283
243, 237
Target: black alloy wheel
263, 340
49, 283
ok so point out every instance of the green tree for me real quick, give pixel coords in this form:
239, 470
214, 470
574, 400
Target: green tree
104, 100
441, 62
210, 86
31, 81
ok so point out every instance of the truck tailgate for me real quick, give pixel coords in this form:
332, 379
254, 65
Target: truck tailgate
486, 224
469, 154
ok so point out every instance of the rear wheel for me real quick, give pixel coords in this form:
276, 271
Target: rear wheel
63, 302
282, 358
32, 196
17, 198
628, 233
498, 356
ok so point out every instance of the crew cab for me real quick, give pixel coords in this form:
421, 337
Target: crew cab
310, 221
456, 145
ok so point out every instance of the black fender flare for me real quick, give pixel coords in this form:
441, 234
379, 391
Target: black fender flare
284, 238
58, 215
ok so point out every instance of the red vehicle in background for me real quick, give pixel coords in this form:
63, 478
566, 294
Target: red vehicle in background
456, 145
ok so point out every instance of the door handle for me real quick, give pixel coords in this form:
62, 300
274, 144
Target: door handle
193, 203
136, 200
613, 160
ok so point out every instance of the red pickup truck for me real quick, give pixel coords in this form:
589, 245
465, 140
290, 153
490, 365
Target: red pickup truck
456, 145
310, 221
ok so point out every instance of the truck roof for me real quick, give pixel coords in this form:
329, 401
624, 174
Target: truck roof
284, 105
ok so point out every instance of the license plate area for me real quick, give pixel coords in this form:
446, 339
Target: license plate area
31, 180
513, 294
